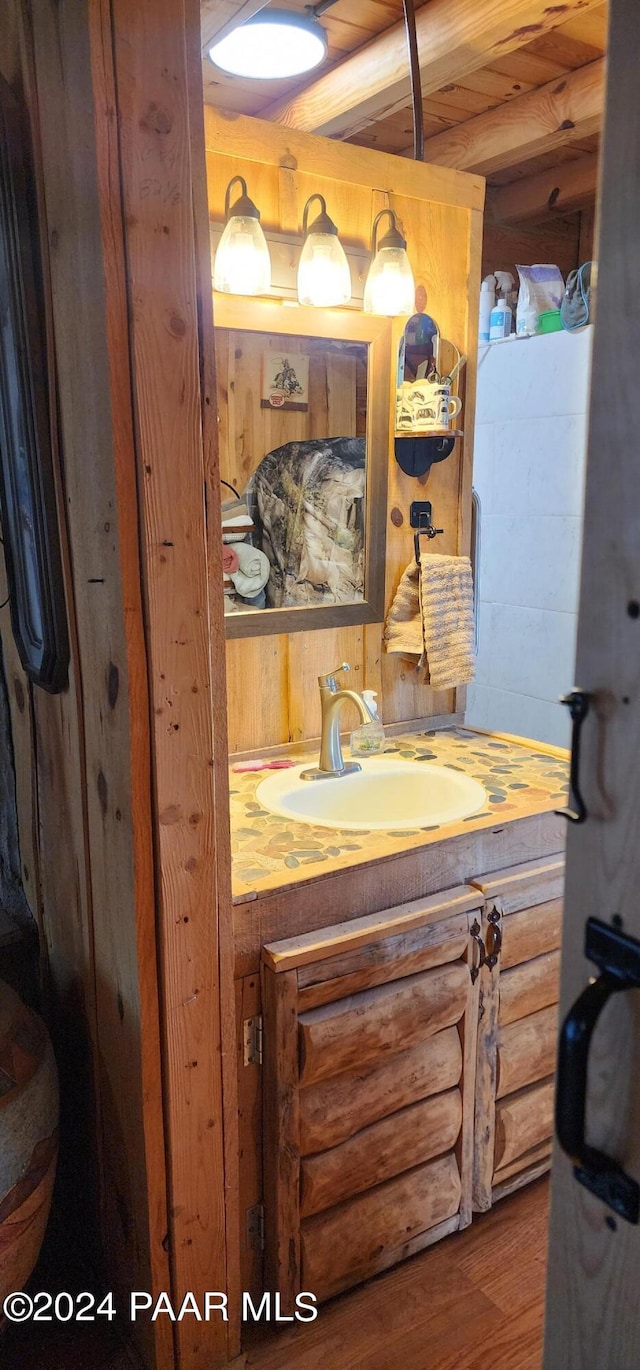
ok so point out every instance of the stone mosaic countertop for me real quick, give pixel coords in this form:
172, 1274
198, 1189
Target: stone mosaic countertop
270, 852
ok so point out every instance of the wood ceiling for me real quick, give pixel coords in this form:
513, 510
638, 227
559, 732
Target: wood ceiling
513, 89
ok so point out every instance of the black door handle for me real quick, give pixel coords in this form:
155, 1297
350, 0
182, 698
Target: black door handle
577, 702
618, 957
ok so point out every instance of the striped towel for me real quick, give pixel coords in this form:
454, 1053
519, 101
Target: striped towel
431, 618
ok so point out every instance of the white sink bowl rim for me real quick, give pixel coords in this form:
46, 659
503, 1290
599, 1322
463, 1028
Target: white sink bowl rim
386, 795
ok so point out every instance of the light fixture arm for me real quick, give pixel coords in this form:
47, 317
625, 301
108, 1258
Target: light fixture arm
244, 207
322, 224
393, 236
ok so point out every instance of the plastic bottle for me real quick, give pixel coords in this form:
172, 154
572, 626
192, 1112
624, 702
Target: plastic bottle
499, 321
487, 301
369, 738
505, 287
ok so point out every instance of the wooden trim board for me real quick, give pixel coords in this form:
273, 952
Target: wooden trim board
341, 937
158, 147
260, 141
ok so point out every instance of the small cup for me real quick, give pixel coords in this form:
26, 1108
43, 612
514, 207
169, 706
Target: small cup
442, 405
425, 406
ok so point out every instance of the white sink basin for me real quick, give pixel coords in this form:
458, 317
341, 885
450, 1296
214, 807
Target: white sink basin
386, 794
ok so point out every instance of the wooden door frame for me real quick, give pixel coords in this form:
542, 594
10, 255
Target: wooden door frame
156, 55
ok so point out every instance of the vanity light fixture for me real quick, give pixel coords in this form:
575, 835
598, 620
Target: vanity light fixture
242, 265
272, 44
390, 287
324, 277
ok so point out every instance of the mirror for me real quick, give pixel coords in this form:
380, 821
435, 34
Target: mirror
303, 407
419, 347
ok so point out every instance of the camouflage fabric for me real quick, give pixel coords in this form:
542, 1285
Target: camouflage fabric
307, 502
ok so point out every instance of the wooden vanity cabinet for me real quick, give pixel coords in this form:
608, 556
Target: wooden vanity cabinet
369, 1066
517, 1026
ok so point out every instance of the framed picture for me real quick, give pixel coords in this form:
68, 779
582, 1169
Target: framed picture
27, 494
285, 381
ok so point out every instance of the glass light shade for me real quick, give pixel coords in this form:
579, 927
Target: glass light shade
390, 288
324, 277
242, 265
273, 44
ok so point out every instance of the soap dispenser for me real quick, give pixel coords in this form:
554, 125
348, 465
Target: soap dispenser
369, 738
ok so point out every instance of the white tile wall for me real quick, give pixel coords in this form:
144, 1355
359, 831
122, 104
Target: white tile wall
529, 463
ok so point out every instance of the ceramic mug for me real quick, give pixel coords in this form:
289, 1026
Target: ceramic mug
415, 406
425, 405
437, 408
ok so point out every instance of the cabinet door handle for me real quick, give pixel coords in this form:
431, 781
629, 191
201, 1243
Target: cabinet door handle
476, 966
618, 957
577, 702
494, 938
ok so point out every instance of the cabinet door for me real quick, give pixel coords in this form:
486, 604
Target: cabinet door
521, 927
369, 1065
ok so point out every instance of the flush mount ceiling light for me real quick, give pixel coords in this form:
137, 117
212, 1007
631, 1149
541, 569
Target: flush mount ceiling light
243, 264
390, 287
272, 45
324, 277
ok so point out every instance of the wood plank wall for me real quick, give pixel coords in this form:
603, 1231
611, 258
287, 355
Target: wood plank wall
555, 240
82, 757
272, 681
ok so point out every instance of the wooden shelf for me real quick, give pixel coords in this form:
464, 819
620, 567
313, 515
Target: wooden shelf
430, 433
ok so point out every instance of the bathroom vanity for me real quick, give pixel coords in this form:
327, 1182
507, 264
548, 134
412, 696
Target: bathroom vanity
395, 987
396, 1002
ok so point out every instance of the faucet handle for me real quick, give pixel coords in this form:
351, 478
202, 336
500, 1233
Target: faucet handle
330, 679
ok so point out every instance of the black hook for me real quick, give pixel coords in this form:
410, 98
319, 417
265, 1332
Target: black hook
577, 702
420, 516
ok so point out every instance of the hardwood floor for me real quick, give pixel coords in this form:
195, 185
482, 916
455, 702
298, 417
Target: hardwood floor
474, 1302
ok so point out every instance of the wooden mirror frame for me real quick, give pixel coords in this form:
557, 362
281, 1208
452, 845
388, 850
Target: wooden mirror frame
264, 316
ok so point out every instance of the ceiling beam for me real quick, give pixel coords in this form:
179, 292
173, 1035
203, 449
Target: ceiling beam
558, 191
219, 17
455, 37
542, 120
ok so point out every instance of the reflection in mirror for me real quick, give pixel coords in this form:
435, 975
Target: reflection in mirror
419, 359
293, 417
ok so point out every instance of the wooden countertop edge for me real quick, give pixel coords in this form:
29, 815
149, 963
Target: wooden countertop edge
352, 860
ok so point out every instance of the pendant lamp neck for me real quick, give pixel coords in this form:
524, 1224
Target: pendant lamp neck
392, 237
323, 223
243, 208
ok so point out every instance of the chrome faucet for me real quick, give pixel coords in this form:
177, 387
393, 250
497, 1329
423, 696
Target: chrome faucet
331, 761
